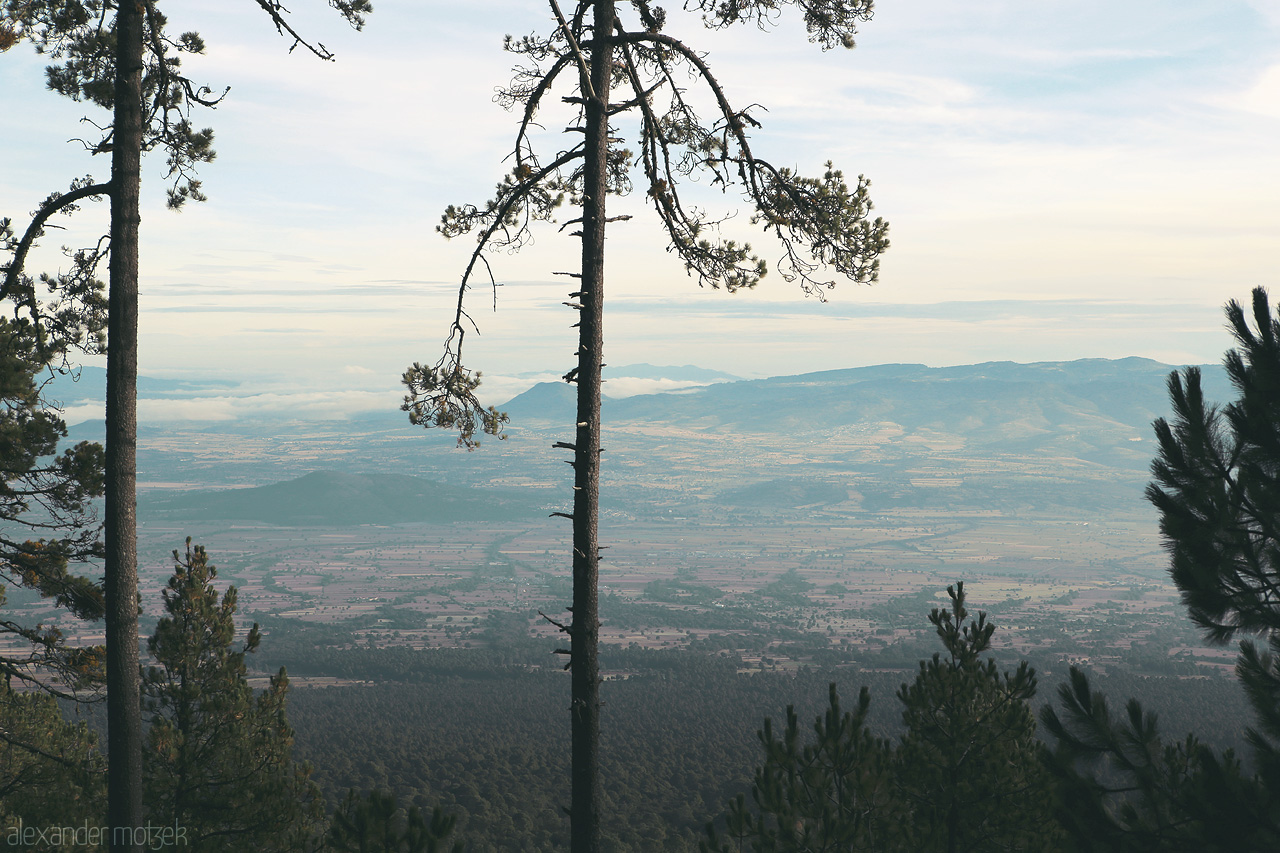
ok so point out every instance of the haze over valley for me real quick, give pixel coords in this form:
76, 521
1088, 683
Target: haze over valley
785, 521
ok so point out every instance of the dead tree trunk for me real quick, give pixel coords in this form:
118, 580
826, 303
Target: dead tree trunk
124, 712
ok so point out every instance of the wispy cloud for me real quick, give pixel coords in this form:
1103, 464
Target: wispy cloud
1262, 97
279, 309
1063, 178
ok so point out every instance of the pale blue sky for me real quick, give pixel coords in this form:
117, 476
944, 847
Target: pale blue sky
1063, 180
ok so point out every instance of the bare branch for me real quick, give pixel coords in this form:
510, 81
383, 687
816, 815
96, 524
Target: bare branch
352, 10
532, 103
584, 73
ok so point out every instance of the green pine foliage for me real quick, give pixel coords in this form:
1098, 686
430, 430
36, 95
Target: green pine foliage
218, 758
966, 774
1120, 786
47, 520
1217, 486
51, 773
833, 794
375, 823
969, 769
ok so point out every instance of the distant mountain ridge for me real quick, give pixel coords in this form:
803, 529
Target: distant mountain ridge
1090, 408
992, 402
1073, 434
558, 400
1088, 415
332, 499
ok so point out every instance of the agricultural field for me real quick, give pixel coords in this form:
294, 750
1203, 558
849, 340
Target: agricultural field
1057, 589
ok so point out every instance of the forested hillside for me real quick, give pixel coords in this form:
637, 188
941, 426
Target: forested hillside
679, 737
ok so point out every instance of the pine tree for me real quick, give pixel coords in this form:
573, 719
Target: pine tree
218, 757
119, 57
835, 793
48, 526
47, 522
822, 225
376, 824
51, 772
966, 775
1217, 487
968, 766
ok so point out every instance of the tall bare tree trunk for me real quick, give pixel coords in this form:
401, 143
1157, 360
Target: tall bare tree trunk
585, 668
124, 712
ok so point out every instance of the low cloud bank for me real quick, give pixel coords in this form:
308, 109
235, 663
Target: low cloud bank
306, 405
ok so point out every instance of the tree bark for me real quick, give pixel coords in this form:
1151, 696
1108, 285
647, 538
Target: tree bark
585, 630
124, 712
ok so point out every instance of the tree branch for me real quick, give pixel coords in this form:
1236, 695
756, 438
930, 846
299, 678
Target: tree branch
584, 73
443, 395
350, 10
14, 270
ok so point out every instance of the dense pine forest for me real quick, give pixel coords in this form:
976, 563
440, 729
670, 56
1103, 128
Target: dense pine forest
476, 734
680, 741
